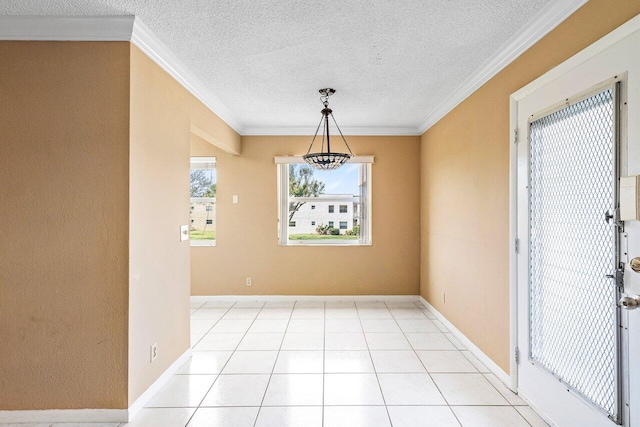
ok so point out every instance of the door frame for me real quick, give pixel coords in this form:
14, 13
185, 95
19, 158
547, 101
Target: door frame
589, 52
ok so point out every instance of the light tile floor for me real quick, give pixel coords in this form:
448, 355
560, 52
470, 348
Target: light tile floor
373, 364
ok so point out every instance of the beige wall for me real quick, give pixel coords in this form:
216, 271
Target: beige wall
465, 186
159, 261
64, 166
94, 166
163, 114
247, 233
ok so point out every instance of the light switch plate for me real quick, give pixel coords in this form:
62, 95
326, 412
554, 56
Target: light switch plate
235, 198
184, 233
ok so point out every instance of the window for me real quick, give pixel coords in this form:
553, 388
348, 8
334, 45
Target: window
292, 223
203, 188
309, 197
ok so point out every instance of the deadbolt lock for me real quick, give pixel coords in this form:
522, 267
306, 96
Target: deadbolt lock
635, 264
630, 303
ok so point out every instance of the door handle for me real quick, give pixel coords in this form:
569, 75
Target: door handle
630, 303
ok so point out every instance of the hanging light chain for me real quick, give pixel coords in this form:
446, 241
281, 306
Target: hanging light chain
327, 160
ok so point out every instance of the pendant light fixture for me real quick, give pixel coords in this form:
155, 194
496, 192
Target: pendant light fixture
326, 160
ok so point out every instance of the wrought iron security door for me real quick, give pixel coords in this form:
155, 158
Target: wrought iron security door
573, 318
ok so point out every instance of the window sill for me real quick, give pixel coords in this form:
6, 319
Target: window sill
202, 243
317, 243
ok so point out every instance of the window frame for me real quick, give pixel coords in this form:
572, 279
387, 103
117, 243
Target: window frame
365, 217
213, 200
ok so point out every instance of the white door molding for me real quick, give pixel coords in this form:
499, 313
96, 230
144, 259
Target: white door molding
580, 61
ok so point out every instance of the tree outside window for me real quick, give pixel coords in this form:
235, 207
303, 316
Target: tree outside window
203, 188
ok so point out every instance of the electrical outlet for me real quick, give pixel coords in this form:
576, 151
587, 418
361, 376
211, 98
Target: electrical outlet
248, 281
154, 352
444, 298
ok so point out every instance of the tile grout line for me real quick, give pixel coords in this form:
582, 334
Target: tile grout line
216, 379
324, 355
430, 376
227, 362
198, 308
481, 373
510, 404
212, 326
422, 363
324, 350
275, 362
375, 370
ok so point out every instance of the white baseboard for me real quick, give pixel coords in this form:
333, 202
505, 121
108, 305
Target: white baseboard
94, 415
326, 298
64, 416
136, 406
490, 364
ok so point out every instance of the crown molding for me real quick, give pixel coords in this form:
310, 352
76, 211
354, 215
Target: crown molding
540, 25
130, 28
352, 131
114, 28
154, 48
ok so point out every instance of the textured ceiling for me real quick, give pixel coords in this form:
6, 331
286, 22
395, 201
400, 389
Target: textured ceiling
391, 62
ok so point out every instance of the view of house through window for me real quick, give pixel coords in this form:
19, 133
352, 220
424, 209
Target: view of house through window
203, 201
324, 207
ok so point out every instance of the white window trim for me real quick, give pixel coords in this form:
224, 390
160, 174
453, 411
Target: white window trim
283, 205
203, 199
202, 162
